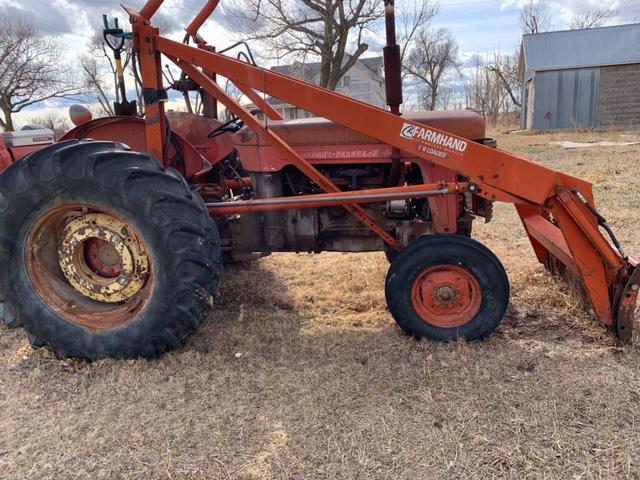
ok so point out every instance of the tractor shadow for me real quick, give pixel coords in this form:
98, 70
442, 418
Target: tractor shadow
304, 375
259, 315
252, 310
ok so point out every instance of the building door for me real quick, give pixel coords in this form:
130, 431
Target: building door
566, 99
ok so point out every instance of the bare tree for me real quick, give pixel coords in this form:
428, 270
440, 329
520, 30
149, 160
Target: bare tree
331, 30
30, 68
93, 78
446, 97
235, 93
100, 75
482, 91
485, 91
411, 19
535, 16
507, 69
58, 124
592, 18
434, 54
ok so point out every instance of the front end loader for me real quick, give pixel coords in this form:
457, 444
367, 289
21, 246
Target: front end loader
115, 236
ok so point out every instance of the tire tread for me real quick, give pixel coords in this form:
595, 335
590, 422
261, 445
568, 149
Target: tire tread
158, 197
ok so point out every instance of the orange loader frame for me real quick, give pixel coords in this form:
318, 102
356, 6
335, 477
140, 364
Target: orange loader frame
556, 209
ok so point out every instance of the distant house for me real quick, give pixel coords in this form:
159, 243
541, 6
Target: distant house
364, 81
581, 78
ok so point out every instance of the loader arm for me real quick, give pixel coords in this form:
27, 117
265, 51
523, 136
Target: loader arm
556, 209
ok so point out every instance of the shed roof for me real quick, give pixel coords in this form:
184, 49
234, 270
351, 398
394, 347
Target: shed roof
590, 47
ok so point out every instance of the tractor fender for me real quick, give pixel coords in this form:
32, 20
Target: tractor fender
131, 131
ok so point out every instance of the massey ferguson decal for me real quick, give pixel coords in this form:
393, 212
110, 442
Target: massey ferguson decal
428, 139
370, 153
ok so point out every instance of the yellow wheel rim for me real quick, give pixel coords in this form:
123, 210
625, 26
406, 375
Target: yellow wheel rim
120, 245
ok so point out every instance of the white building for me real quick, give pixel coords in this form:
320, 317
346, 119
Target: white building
364, 82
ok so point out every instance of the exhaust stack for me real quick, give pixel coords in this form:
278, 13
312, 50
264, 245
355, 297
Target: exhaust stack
392, 82
392, 63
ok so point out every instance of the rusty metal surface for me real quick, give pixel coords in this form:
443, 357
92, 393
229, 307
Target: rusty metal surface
320, 132
77, 303
336, 199
5, 155
500, 175
447, 296
499, 172
131, 132
201, 17
628, 305
196, 129
132, 258
301, 164
150, 8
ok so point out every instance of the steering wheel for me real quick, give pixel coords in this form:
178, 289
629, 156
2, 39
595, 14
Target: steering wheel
232, 126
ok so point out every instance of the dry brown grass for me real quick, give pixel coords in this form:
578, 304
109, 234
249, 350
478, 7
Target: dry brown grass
327, 387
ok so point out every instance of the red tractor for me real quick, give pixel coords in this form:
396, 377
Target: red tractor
115, 245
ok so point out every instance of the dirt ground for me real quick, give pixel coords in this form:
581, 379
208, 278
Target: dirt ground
302, 373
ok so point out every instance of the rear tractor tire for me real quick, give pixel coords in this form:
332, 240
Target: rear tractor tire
105, 253
446, 288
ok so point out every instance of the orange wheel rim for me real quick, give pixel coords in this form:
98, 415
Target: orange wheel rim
446, 296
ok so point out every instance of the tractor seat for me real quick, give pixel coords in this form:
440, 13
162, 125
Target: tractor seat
322, 132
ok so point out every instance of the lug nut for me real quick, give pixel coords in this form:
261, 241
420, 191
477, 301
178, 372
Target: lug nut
115, 239
123, 280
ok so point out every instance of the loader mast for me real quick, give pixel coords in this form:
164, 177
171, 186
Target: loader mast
556, 209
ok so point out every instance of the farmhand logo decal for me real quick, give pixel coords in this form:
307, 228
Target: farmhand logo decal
427, 139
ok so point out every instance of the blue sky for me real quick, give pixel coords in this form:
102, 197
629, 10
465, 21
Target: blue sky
480, 26
484, 25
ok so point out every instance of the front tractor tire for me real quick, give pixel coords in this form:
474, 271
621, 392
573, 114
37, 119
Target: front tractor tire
104, 252
447, 287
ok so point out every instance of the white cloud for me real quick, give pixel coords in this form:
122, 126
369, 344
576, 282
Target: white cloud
563, 11
74, 21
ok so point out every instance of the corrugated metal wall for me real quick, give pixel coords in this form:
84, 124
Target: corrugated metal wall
566, 99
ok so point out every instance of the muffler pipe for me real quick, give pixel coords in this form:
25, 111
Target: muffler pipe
393, 82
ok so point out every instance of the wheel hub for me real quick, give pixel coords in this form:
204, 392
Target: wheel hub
446, 296
101, 259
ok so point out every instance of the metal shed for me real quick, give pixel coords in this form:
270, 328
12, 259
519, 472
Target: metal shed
581, 78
